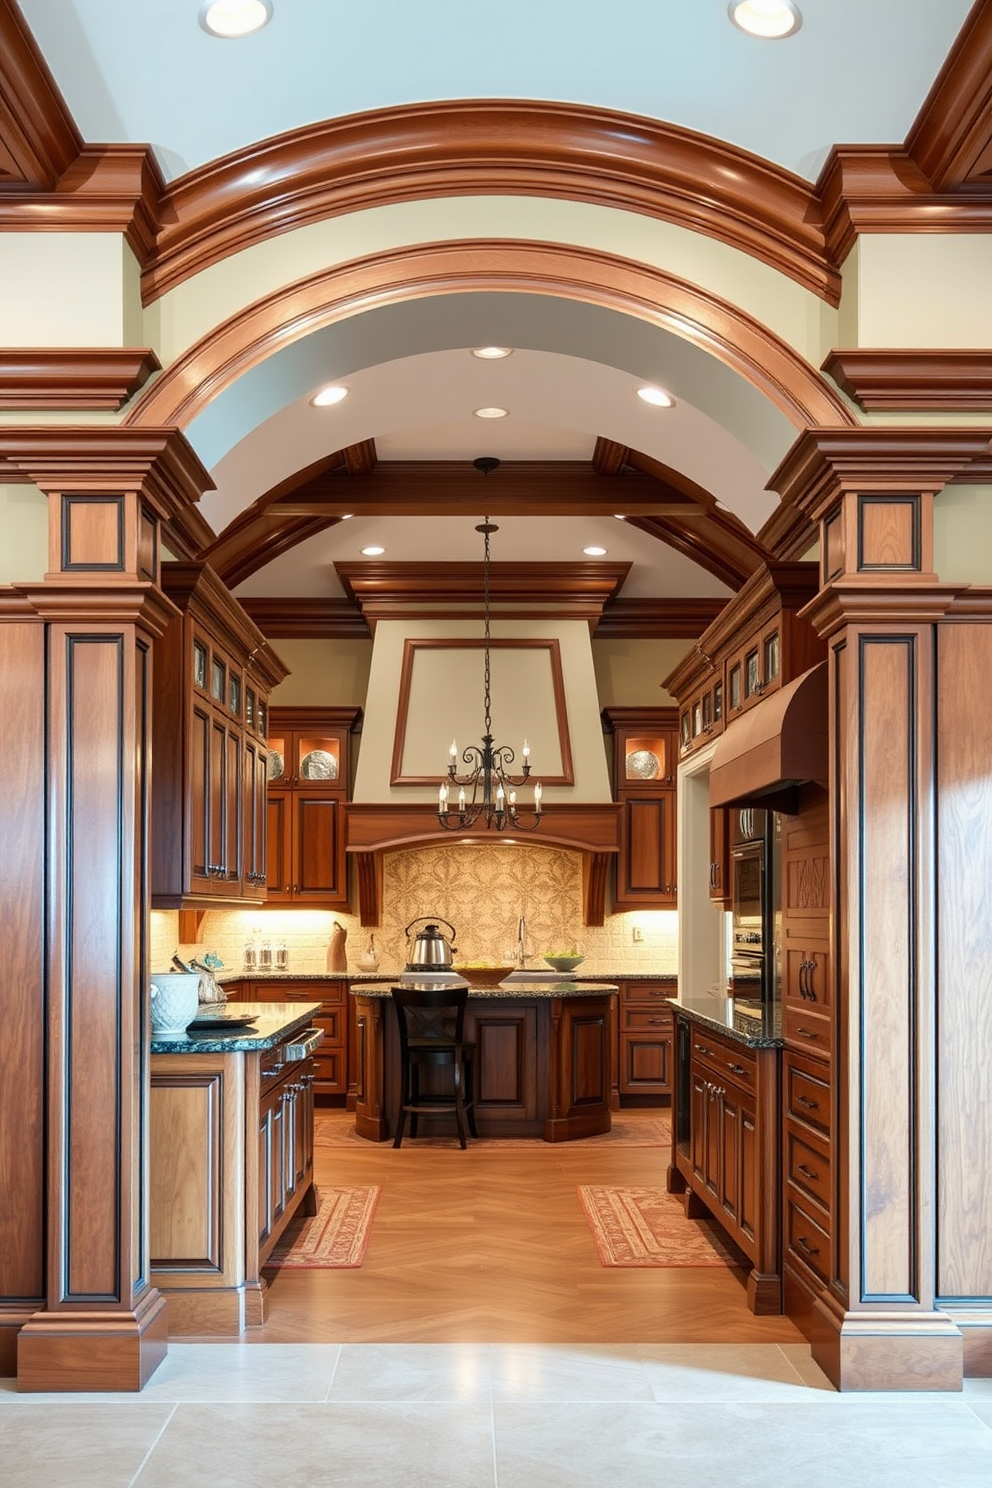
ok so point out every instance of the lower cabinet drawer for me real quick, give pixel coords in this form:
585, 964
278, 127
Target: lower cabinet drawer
807, 1241
807, 1093
331, 1020
649, 992
647, 1020
806, 1030
807, 1165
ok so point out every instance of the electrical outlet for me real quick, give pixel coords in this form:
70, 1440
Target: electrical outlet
637, 934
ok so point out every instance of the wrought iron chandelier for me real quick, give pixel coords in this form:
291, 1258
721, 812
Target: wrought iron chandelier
487, 791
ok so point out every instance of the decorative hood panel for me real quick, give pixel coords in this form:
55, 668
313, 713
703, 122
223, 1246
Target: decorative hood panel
779, 744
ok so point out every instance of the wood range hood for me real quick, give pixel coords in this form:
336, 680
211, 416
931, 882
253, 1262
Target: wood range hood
591, 828
778, 745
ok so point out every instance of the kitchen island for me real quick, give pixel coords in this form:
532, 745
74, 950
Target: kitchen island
544, 1060
231, 1159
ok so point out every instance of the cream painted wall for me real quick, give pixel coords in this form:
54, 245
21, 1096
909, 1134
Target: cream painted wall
24, 528
68, 289
186, 313
510, 726
926, 290
629, 673
962, 535
324, 673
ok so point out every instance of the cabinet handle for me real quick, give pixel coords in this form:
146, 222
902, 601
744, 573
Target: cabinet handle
702, 1049
807, 1033
807, 1172
737, 1069
804, 1100
810, 969
657, 1020
804, 1245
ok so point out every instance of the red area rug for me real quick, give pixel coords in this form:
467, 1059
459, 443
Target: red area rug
336, 1237
629, 1129
648, 1227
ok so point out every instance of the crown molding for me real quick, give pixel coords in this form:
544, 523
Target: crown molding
951, 138
657, 619
391, 591
38, 138
72, 377
306, 619
923, 380
474, 147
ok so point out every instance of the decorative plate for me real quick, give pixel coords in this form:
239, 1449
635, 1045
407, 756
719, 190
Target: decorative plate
643, 764
319, 765
276, 764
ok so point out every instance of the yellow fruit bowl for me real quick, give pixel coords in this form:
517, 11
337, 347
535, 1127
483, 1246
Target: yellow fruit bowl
483, 976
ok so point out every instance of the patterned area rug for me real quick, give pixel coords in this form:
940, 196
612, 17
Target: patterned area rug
333, 1129
335, 1237
648, 1227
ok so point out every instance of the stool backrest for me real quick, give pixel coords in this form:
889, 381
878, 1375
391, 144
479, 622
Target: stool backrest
431, 1013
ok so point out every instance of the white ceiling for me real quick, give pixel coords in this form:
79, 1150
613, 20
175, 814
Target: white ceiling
144, 71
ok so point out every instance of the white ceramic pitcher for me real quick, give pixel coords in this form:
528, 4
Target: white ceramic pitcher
175, 1000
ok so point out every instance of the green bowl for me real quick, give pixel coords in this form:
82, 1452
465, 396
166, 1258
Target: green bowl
564, 963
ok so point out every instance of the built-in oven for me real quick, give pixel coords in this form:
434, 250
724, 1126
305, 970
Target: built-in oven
753, 904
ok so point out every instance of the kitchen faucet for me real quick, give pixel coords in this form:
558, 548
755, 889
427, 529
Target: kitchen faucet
521, 939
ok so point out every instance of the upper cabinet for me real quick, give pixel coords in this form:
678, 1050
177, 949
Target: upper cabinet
310, 770
212, 675
758, 643
645, 761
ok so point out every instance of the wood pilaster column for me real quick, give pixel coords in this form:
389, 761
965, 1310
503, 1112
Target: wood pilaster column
98, 1324
877, 1324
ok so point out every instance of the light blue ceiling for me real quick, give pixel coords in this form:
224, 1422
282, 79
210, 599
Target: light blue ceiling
144, 71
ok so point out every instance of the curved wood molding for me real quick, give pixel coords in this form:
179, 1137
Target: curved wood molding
478, 147
73, 377
474, 265
38, 139
951, 139
926, 380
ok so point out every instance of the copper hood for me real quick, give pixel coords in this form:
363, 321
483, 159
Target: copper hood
780, 744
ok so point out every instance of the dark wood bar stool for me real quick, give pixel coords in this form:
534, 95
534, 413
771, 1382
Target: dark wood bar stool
432, 1026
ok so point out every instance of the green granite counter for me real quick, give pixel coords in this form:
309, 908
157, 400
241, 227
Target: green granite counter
274, 1023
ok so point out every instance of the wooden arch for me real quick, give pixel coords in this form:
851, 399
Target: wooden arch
561, 270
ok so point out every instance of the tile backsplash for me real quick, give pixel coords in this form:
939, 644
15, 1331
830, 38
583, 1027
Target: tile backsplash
483, 889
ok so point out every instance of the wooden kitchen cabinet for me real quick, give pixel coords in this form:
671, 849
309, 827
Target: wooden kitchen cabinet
330, 1062
645, 752
645, 1041
309, 782
212, 678
726, 1147
720, 885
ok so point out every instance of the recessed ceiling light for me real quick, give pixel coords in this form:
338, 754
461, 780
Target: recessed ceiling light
372, 552
490, 412
232, 18
492, 353
594, 552
656, 396
770, 19
328, 396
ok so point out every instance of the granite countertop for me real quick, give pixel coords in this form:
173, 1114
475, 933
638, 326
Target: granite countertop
517, 989
740, 1019
394, 975
274, 1021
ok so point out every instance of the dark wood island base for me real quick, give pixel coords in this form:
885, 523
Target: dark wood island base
544, 1062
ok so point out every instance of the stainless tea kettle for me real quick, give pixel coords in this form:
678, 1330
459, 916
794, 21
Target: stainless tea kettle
432, 951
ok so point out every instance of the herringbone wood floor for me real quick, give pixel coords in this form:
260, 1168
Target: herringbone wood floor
491, 1246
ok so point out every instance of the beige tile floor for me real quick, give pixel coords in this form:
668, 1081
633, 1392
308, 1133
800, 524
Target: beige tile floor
495, 1416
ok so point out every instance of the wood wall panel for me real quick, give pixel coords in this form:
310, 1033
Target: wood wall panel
887, 990
964, 917
22, 1002
186, 1167
93, 824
